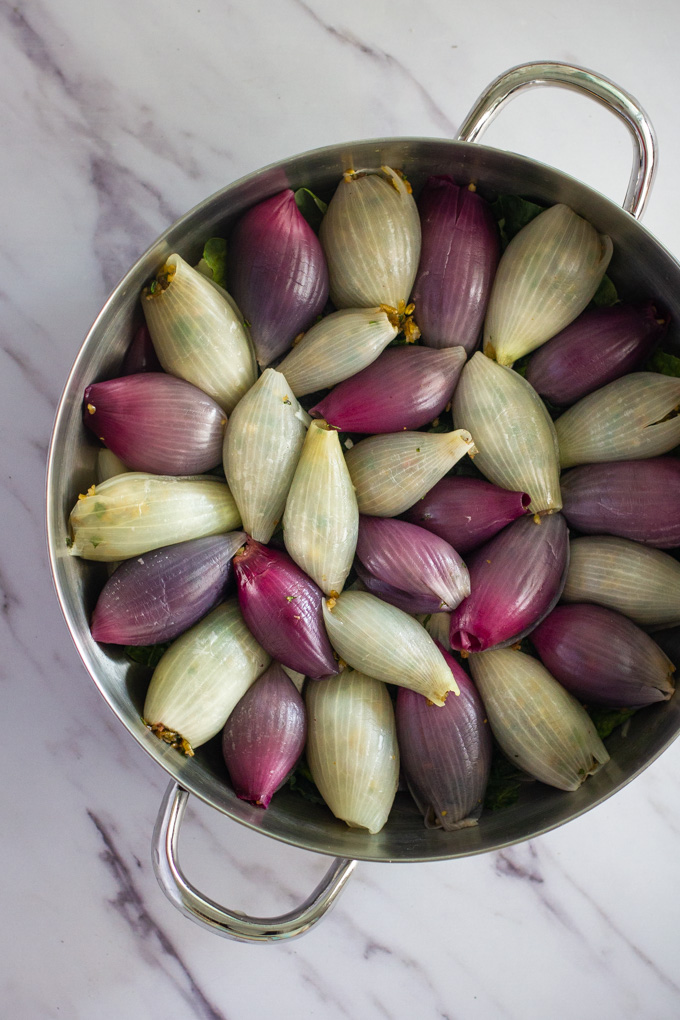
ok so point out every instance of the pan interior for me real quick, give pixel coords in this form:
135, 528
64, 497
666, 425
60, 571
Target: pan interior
641, 269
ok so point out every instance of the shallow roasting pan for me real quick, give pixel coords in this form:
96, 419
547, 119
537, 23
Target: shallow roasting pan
641, 268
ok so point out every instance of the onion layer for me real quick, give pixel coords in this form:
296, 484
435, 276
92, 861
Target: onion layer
445, 753
264, 736
202, 677
599, 346
278, 273
466, 512
458, 260
602, 657
513, 432
156, 423
636, 499
352, 748
413, 560
282, 607
405, 388
157, 596
539, 725
516, 579
386, 643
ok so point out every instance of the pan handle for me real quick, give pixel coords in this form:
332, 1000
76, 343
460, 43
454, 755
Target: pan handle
231, 924
527, 76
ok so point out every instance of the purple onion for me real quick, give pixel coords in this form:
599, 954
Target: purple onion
445, 752
601, 345
412, 560
459, 255
637, 499
278, 275
141, 355
156, 423
466, 512
516, 579
395, 596
155, 597
264, 736
282, 608
602, 657
405, 388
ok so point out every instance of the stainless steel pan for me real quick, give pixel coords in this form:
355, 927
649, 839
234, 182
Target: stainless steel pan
641, 268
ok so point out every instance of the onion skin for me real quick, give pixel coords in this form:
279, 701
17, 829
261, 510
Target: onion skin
371, 238
262, 445
321, 519
602, 657
157, 596
282, 608
514, 434
141, 355
545, 278
105, 522
337, 347
631, 578
632, 418
413, 560
264, 736
201, 678
516, 579
445, 753
603, 344
636, 499
540, 726
108, 465
198, 332
352, 748
385, 643
466, 512
157, 423
405, 388
392, 472
278, 274
395, 596
459, 255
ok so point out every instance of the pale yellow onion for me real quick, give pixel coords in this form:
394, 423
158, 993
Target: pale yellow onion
545, 278
352, 748
514, 434
262, 445
391, 472
388, 644
627, 419
108, 465
202, 677
437, 626
321, 520
197, 333
371, 238
336, 348
641, 582
297, 678
541, 728
135, 512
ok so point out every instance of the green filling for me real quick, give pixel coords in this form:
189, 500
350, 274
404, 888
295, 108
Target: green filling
311, 206
215, 255
147, 655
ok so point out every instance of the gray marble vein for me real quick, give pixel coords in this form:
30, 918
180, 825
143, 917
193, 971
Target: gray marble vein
129, 904
384, 60
115, 121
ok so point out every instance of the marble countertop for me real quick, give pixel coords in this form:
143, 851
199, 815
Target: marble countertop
116, 119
